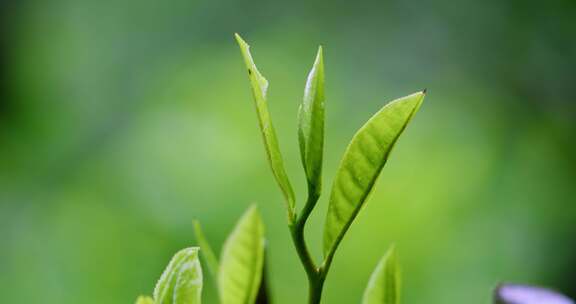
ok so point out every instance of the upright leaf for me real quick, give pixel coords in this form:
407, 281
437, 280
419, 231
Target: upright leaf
259, 89
311, 125
144, 300
242, 261
181, 282
361, 165
384, 284
206, 252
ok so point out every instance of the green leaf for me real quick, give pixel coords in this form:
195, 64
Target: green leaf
207, 253
311, 125
259, 90
144, 300
361, 165
242, 260
384, 284
181, 282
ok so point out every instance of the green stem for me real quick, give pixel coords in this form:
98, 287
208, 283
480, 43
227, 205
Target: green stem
315, 290
314, 274
302, 250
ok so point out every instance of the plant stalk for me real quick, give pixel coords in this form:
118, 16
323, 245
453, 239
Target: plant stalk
315, 290
314, 274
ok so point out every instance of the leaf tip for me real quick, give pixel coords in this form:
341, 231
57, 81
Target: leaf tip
239, 38
392, 249
191, 249
253, 212
144, 300
419, 99
253, 207
243, 45
196, 226
390, 256
320, 56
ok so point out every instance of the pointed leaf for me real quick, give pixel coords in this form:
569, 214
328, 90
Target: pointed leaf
206, 250
144, 300
311, 125
259, 89
384, 284
181, 282
361, 165
242, 261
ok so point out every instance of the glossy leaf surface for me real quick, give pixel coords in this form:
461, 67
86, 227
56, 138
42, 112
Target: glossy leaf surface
242, 261
259, 90
181, 282
311, 124
384, 284
361, 165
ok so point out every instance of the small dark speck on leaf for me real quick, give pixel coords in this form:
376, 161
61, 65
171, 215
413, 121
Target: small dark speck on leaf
249, 72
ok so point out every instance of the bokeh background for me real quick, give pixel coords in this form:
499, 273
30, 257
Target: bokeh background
122, 121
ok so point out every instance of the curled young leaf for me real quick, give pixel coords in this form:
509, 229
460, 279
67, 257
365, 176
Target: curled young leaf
311, 125
242, 260
524, 294
384, 284
259, 89
181, 282
361, 165
144, 300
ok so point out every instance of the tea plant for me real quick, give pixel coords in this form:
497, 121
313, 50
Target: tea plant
239, 272
359, 169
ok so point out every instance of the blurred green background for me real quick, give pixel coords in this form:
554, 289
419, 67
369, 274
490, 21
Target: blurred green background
121, 121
